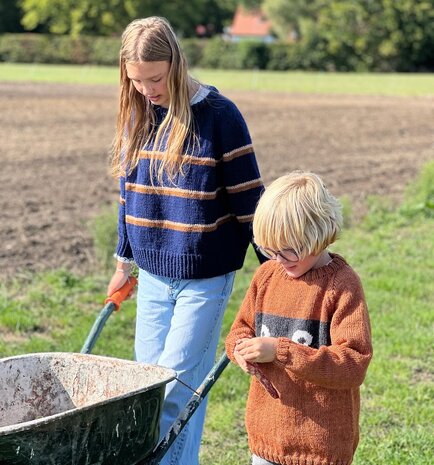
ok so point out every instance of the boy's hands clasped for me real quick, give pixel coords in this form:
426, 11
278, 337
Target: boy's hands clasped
255, 350
250, 352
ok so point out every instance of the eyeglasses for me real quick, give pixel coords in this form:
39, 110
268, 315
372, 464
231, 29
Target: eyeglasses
287, 254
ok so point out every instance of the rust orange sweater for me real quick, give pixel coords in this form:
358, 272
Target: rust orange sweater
324, 348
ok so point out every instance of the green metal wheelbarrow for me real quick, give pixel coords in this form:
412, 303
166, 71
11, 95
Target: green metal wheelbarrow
82, 409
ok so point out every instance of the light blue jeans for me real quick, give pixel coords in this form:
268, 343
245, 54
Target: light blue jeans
178, 326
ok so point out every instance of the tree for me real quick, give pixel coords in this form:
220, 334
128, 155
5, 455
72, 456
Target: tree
105, 17
10, 16
359, 34
287, 15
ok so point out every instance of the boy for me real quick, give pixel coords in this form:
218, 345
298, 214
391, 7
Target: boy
304, 326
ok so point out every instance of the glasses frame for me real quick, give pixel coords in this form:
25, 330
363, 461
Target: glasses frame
272, 254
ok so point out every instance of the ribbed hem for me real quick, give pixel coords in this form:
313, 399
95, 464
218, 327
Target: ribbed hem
163, 263
267, 454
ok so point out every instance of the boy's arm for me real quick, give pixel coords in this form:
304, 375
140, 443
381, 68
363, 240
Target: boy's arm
244, 323
342, 364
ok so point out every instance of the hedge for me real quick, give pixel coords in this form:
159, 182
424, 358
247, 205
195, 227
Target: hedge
206, 53
215, 52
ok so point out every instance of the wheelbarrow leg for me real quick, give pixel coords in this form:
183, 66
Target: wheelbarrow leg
162, 447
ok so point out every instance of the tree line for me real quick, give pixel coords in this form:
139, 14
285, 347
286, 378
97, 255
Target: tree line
346, 35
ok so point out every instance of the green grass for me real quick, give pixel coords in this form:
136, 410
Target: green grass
273, 81
393, 253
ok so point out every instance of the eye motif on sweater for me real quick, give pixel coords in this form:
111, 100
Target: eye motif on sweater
312, 333
302, 337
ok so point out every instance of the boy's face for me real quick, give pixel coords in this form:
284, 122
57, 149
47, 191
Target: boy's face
299, 268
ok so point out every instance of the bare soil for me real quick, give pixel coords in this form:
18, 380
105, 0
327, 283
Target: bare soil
55, 139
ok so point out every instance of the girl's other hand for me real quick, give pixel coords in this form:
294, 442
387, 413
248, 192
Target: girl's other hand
257, 349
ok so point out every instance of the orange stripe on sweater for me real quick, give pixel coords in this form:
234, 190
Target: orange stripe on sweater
172, 191
245, 186
204, 161
183, 227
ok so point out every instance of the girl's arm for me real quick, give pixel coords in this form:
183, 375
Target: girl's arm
123, 249
241, 176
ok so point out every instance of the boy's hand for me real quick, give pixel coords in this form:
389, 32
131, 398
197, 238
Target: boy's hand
256, 350
266, 346
245, 366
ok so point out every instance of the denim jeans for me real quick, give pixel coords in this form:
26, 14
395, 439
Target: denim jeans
259, 461
178, 326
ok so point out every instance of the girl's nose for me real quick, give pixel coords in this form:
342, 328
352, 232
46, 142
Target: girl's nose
147, 89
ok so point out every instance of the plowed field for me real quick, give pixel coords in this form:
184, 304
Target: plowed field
55, 139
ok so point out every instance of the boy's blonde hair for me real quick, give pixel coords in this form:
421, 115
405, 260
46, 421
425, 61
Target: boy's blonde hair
146, 40
297, 211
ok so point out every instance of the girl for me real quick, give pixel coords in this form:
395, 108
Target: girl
189, 184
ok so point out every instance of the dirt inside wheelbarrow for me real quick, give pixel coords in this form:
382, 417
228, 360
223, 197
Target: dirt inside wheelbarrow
41, 385
55, 139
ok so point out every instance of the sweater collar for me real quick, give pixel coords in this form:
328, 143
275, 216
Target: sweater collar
313, 274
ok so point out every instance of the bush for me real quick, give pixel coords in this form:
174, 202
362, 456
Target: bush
41, 48
193, 49
218, 53
105, 51
419, 196
313, 52
23, 47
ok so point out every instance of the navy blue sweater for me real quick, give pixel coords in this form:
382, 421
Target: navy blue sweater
199, 226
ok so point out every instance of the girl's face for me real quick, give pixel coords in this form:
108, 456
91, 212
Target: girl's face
150, 79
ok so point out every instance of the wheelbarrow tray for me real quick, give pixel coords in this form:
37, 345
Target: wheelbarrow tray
79, 409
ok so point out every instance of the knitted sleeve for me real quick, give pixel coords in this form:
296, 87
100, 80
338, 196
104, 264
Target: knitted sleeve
244, 323
342, 364
123, 248
241, 176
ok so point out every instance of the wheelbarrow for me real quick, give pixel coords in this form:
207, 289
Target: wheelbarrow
83, 409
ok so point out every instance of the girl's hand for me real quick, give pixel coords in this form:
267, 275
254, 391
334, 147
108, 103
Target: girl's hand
256, 349
119, 278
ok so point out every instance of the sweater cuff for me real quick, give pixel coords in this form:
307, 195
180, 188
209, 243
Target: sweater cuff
283, 352
231, 342
123, 248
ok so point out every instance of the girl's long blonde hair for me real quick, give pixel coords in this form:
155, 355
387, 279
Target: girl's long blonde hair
147, 40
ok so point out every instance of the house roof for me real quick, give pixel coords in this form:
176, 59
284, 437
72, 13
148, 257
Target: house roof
250, 23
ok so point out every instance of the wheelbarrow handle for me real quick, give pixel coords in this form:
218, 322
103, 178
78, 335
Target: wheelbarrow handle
199, 395
120, 295
112, 303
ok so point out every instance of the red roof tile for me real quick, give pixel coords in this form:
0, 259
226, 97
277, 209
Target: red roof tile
250, 23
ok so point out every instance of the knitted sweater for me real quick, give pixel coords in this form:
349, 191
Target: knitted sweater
324, 348
198, 226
